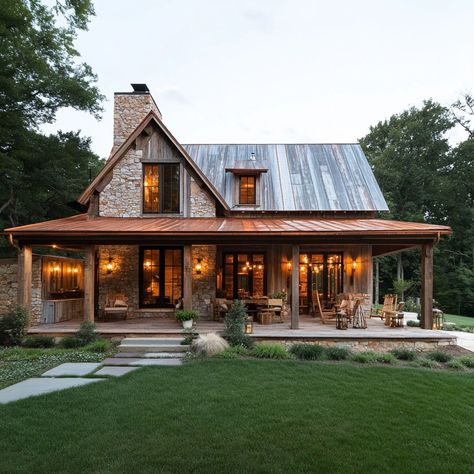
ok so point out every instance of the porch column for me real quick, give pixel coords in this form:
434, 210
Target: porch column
25, 268
426, 321
188, 278
295, 287
89, 280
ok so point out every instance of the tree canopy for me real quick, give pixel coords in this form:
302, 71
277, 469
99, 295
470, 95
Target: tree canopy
39, 74
426, 179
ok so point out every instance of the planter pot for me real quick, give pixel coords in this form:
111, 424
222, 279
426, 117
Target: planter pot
188, 324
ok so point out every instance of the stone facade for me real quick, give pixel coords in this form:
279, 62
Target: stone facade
122, 197
204, 284
202, 205
9, 287
129, 110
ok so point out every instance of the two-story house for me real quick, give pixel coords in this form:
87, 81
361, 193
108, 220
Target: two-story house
165, 221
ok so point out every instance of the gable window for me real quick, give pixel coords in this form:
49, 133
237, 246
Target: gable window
161, 188
161, 277
247, 189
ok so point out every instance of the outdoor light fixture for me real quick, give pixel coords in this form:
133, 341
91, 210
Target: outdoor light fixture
110, 266
354, 266
248, 325
288, 266
147, 264
198, 266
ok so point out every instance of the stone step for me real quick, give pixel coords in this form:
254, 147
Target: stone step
150, 341
162, 355
153, 348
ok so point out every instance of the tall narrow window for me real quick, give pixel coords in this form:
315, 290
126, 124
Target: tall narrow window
247, 190
161, 277
161, 188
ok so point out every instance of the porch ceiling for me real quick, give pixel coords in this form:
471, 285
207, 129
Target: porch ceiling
82, 228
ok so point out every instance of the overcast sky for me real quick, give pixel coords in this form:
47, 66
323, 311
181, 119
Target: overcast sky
263, 71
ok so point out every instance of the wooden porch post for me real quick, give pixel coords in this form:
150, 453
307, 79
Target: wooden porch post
188, 278
427, 286
295, 287
25, 268
89, 279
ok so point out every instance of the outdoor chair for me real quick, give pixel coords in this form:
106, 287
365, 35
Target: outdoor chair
395, 318
116, 306
324, 315
389, 305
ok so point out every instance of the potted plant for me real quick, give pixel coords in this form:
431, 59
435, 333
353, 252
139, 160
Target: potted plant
186, 317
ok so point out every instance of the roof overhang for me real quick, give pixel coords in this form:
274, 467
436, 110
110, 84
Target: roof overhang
81, 228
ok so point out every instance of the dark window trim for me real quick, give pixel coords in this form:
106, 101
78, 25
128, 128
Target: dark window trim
161, 188
247, 176
235, 271
161, 248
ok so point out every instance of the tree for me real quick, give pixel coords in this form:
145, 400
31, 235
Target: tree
39, 74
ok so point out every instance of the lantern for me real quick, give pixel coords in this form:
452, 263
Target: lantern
110, 266
248, 325
199, 266
438, 319
341, 320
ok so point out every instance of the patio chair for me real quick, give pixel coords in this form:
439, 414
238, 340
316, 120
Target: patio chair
324, 315
220, 309
395, 318
389, 304
116, 306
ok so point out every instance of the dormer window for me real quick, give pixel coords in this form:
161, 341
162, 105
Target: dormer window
247, 187
161, 188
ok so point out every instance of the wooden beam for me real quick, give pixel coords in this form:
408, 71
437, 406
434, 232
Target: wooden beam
25, 269
188, 278
427, 286
89, 279
295, 287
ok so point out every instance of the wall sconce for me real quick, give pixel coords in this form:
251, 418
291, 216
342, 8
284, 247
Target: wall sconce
110, 266
198, 266
354, 268
288, 266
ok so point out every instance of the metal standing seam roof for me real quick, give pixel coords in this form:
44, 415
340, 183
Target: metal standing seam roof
81, 225
300, 177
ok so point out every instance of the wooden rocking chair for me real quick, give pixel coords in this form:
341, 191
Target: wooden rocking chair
389, 305
318, 310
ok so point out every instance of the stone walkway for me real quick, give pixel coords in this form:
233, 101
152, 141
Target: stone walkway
70, 375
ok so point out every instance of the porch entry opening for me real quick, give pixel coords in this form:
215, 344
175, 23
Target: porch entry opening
322, 273
161, 276
244, 275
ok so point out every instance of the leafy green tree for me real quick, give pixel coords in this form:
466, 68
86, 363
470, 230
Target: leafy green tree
39, 74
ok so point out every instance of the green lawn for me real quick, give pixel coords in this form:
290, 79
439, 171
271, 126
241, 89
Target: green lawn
245, 416
460, 320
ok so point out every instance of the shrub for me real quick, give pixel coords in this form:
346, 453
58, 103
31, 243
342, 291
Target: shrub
86, 333
467, 361
39, 341
14, 326
455, 364
411, 306
101, 346
384, 357
266, 350
233, 352
413, 324
71, 342
186, 315
402, 353
337, 353
440, 356
234, 326
187, 340
307, 351
364, 357
428, 363
209, 345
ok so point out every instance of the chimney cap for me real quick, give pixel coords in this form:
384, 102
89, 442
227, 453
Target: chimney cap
140, 88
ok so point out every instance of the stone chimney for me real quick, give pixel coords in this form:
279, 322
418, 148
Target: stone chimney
130, 108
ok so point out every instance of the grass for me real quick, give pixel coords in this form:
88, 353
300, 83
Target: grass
19, 363
460, 320
233, 416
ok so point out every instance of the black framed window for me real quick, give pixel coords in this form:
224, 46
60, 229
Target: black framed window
244, 275
247, 186
161, 276
161, 188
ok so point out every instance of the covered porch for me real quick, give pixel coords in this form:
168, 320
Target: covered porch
199, 273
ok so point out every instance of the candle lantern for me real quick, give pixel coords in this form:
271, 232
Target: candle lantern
341, 320
438, 319
248, 325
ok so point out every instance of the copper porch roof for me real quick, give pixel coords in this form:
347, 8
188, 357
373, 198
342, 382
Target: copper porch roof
83, 225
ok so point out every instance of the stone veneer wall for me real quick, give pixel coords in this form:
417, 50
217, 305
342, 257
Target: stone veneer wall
204, 285
202, 205
129, 111
9, 287
122, 197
